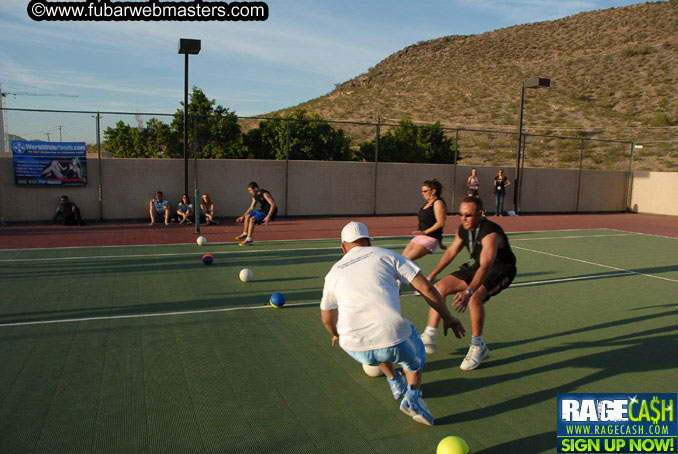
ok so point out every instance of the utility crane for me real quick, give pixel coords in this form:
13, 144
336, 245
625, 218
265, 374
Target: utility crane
25, 93
4, 140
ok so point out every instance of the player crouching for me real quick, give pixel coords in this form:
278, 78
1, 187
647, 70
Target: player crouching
360, 308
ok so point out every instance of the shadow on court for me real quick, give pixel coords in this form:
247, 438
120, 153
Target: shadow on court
629, 353
610, 324
534, 443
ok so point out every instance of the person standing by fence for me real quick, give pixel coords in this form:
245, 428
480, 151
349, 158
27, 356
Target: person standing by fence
473, 183
501, 182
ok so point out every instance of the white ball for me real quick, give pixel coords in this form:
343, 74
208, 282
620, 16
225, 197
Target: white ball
246, 274
372, 371
201, 241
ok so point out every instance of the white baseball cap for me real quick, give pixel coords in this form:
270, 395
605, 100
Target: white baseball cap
353, 231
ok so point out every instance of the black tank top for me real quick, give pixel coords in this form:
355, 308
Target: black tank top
500, 184
263, 203
472, 240
427, 219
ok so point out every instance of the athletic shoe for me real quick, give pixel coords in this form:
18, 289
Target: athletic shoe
476, 354
413, 405
241, 236
429, 343
398, 385
247, 242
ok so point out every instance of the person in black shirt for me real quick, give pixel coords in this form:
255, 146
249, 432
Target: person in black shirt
491, 269
267, 212
67, 213
431, 216
499, 192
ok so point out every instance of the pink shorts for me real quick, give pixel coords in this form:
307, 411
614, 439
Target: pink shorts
428, 242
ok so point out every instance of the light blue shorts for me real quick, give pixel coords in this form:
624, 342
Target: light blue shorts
409, 354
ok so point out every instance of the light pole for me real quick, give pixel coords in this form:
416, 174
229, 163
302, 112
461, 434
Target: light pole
533, 82
187, 47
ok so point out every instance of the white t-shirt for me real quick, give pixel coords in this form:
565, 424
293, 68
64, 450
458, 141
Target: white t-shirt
363, 287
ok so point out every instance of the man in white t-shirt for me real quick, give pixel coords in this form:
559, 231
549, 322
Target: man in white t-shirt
159, 209
360, 307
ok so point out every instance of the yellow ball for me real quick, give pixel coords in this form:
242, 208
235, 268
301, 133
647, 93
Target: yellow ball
452, 445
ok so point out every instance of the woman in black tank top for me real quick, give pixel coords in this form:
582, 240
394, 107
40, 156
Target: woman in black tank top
429, 233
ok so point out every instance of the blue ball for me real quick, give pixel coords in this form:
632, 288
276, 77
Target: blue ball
277, 300
207, 259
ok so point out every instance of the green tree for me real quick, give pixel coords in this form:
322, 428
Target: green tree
121, 141
218, 134
310, 138
217, 130
409, 143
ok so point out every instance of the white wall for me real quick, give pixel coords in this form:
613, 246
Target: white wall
327, 188
655, 192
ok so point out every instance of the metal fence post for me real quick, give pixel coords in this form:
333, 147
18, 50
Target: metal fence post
196, 190
287, 162
518, 182
454, 176
100, 188
629, 184
581, 164
376, 162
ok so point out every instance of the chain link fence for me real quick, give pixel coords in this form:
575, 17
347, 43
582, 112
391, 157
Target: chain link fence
125, 135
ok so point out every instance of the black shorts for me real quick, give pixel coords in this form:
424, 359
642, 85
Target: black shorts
500, 277
158, 216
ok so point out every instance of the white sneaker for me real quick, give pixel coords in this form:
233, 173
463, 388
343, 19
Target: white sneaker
429, 343
474, 357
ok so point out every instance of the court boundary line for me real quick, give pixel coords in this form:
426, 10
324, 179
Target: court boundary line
594, 263
647, 234
449, 235
312, 303
252, 251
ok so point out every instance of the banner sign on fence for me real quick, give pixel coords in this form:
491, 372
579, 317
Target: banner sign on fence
619, 423
49, 163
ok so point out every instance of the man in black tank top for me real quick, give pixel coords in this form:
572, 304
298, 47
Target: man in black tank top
491, 268
267, 212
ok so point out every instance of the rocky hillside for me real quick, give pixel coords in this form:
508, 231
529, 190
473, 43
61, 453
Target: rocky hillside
614, 75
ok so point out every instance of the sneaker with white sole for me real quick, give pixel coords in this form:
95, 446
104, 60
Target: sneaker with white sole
413, 405
398, 385
241, 236
429, 343
247, 242
476, 354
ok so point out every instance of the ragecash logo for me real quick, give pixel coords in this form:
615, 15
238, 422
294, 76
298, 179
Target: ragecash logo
619, 423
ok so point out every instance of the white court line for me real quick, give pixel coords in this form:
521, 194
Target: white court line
161, 314
178, 254
573, 237
240, 251
647, 234
570, 279
266, 241
313, 303
596, 264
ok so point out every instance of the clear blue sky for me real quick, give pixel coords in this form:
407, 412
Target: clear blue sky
302, 50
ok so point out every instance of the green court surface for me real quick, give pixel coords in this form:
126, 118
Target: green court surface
145, 349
